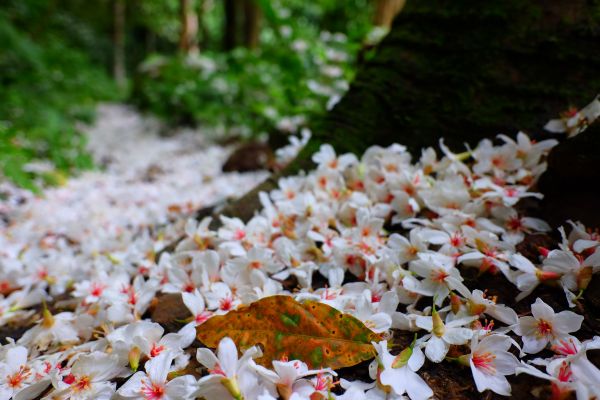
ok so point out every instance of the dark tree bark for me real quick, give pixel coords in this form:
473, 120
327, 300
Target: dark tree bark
463, 71
569, 184
119, 70
252, 19
230, 24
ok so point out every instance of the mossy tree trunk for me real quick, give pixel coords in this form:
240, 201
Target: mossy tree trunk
464, 70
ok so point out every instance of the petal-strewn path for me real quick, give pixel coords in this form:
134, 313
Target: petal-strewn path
147, 181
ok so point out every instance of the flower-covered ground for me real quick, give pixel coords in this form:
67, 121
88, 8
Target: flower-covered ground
434, 252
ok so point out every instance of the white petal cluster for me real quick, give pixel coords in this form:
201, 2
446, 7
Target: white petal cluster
383, 237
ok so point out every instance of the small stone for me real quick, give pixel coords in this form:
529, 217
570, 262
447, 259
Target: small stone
169, 311
252, 156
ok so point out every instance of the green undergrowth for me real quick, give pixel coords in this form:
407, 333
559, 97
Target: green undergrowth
298, 69
48, 87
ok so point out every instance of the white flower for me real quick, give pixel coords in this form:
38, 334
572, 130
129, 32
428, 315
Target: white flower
366, 312
354, 390
15, 374
576, 273
195, 303
441, 277
529, 276
326, 158
443, 335
478, 304
89, 377
288, 377
153, 384
53, 329
228, 377
546, 326
490, 361
400, 372
573, 122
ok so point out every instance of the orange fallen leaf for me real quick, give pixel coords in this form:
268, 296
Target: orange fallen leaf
312, 332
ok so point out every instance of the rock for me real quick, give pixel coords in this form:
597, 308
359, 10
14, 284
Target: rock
251, 156
169, 311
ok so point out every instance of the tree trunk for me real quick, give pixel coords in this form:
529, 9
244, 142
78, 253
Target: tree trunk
386, 11
119, 70
230, 25
252, 18
569, 184
188, 39
203, 8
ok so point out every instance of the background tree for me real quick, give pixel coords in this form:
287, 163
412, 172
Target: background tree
252, 19
230, 28
385, 11
119, 68
188, 39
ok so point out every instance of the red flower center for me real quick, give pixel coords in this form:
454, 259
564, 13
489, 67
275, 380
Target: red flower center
226, 303
82, 383
544, 328
485, 362
156, 350
152, 391
15, 380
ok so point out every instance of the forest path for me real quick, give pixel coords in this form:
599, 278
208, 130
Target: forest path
144, 180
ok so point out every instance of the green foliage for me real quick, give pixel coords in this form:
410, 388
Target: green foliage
47, 86
297, 69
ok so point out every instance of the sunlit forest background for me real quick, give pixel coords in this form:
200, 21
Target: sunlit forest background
244, 68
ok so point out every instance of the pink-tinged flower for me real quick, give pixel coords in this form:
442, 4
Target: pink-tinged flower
576, 272
495, 160
366, 311
571, 373
573, 122
229, 377
529, 276
195, 303
440, 277
289, 378
90, 376
15, 374
326, 158
546, 326
61, 328
516, 226
153, 384
399, 373
487, 255
478, 304
490, 362
529, 151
